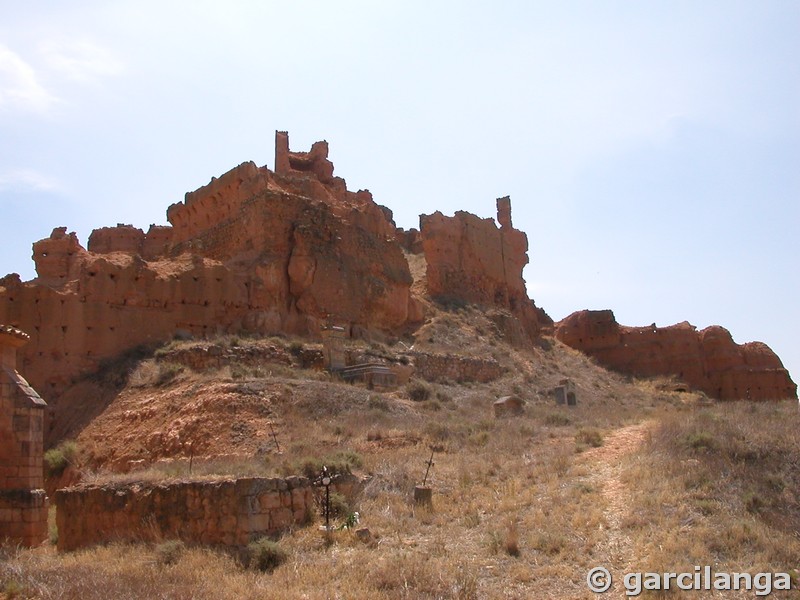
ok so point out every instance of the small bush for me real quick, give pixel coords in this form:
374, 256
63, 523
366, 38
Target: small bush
56, 459
418, 391
340, 507
295, 348
169, 552
266, 555
145, 374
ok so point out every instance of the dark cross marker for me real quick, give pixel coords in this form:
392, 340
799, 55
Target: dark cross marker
430, 463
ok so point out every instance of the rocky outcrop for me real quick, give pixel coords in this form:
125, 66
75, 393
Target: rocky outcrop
471, 259
707, 360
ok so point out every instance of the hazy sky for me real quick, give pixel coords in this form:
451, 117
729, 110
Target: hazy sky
651, 149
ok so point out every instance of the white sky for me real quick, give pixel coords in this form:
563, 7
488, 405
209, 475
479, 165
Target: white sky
651, 149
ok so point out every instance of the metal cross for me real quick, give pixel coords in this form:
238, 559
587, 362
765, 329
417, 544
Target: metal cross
326, 481
430, 463
274, 437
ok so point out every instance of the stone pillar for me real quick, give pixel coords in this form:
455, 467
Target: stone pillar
23, 502
504, 212
282, 152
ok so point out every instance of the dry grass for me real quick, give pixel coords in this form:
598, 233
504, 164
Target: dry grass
718, 485
633, 477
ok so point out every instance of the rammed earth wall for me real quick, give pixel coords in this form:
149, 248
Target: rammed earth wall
226, 512
448, 367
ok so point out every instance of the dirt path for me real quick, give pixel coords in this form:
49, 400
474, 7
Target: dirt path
606, 470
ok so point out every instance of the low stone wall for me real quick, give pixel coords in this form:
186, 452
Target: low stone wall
214, 356
446, 367
226, 512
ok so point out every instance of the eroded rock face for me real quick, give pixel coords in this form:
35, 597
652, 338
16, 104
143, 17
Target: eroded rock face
471, 259
707, 360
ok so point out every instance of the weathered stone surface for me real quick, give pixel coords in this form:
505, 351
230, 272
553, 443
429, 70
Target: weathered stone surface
471, 259
707, 360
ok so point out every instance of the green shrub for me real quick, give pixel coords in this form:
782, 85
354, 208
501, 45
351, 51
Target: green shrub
56, 459
340, 507
266, 555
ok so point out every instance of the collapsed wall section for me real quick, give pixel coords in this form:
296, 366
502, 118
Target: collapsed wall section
707, 360
472, 260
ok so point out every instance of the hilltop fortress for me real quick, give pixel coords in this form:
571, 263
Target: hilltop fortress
262, 252
266, 252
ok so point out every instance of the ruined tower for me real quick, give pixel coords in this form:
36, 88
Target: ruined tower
23, 502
